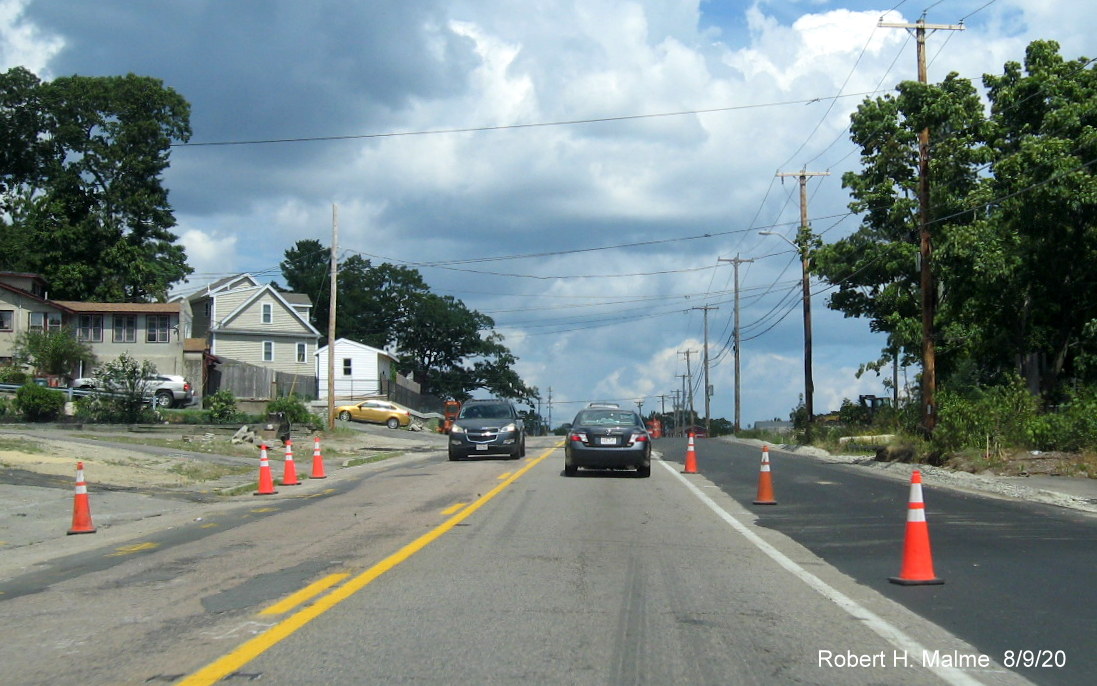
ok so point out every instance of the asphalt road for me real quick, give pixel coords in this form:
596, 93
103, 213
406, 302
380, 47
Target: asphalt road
1018, 576
422, 570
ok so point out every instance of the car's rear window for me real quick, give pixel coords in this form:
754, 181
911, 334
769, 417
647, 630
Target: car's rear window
606, 418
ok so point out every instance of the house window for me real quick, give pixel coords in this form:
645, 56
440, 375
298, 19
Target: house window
268, 313
347, 367
302, 350
209, 308
7, 320
125, 328
159, 328
268, 351
42, 321
89, 327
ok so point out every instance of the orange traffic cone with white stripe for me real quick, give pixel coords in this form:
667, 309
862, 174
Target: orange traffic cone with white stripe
81, 511
289, 467
266, 479
317, 461
765, 481
917, 559
691, 457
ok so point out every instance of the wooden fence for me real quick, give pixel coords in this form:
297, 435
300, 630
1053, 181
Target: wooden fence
252, 382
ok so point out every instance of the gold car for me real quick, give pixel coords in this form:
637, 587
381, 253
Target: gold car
375, 412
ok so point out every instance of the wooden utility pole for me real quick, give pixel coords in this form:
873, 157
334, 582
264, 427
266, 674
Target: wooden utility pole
689, 373
708, 393
331, 314
682, 404
803, 244
925, 243
735, 336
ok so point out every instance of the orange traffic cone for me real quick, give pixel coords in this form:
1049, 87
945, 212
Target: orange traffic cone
317, 461
289, 468
917, 559
765, 481
266, 479
81, 512
691, 457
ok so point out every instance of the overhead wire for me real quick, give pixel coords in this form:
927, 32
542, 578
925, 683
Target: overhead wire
507, 127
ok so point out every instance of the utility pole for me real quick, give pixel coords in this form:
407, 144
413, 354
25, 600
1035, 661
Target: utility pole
689, 373
735, 335
925, 243
682, 403
803, 243
331, 314
708, 393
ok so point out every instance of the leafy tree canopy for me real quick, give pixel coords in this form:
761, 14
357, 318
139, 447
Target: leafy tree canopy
1012, 216
448, 348
52, 352
81, 160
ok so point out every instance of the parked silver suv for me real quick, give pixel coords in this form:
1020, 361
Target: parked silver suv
163, 390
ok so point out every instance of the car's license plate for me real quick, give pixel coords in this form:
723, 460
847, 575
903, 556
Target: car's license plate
481, 447
607, 440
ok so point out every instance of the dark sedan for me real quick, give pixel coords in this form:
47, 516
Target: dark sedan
606, 438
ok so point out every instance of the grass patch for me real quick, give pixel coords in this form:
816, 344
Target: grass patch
380, 457
208, 471
20, 445
242, 489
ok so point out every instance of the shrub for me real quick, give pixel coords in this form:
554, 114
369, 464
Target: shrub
124, 399
221, 407
12, 374
1070, 427
296, 411
1005, 414
38, 403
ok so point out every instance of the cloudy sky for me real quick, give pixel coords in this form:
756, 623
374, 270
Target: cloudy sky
575, 169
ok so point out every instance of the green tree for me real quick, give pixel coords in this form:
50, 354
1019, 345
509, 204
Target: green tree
1013, 219
449, 349
84, 189
452, 351
373, 302
56, 352
876, 268
1036, 245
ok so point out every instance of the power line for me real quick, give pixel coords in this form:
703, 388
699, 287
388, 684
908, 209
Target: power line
508, 127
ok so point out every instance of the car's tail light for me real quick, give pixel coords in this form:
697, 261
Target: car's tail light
186, 385
581, 437
638, 438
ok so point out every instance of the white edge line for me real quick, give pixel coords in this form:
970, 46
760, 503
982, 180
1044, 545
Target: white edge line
882, 628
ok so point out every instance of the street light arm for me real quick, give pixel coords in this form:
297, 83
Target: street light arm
779, 235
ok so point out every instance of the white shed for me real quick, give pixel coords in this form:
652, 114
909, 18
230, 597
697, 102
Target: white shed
361, 371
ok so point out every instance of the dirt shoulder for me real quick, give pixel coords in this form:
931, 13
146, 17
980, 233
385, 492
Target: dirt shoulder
157, 476
182, 457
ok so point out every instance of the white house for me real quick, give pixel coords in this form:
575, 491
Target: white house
361, 371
